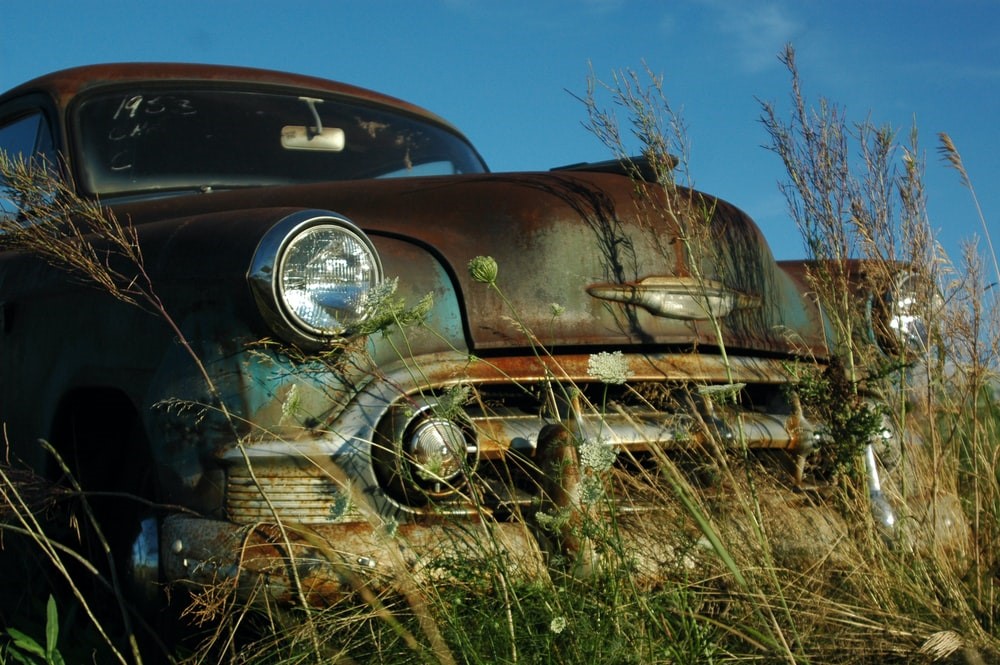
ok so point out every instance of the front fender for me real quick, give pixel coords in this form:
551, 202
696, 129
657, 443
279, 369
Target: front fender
262, 389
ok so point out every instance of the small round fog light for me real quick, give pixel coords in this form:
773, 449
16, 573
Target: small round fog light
425, 452
438, 449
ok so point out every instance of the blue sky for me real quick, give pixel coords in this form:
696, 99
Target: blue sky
503, 72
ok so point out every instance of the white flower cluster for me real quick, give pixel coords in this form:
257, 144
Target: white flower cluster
608, 367
591, 490
291, 405
549, 522
381, 293
598, 454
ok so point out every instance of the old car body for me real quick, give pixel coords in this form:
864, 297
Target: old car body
321, 385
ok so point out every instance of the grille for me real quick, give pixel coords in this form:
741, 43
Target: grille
638, 417
299, 495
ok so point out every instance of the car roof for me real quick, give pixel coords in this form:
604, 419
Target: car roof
65, 84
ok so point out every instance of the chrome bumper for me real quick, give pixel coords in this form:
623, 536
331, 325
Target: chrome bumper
320, 564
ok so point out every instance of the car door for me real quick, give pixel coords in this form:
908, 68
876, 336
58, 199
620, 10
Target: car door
25, 134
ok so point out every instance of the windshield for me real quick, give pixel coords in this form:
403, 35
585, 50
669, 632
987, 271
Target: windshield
167, 139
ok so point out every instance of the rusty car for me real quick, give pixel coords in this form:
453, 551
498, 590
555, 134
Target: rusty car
346, 347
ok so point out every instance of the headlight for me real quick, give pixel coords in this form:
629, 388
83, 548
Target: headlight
324, 278
437, 448
901, 315
421, 454
312, 274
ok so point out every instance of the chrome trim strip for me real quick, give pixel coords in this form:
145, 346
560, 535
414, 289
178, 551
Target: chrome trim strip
684, 298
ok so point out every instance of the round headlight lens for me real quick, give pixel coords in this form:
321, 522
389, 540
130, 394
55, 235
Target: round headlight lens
422, 454
902, 322
324, 278
438, 449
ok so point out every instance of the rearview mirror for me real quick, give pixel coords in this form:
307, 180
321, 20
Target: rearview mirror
300, 137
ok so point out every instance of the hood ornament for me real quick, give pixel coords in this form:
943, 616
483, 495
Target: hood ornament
684, 298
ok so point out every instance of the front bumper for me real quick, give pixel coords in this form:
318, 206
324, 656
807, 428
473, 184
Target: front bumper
324, 563
311, 522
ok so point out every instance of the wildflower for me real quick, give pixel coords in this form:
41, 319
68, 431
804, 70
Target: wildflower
550, 522
608, 367
591, 490
546, 521
484, 269
556, 309
557, 625
384, 310
380, 294
727, 392
598, 454
291, 406
451, 401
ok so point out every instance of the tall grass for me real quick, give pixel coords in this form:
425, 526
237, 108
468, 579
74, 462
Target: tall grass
734, 564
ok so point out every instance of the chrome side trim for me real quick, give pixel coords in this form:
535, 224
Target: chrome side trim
684, 298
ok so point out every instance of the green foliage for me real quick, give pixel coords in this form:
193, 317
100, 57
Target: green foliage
849, 421
26, 650
388, 311
592, 621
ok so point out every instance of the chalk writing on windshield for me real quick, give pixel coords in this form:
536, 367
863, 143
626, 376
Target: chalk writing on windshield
137, 115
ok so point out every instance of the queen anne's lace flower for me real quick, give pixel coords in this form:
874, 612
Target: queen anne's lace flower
598, 454
557, 625
550, 522
291, 406
484, 269
608, 367
591, 490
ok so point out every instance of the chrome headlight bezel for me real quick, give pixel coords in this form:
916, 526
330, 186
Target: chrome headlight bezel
424, 452
314, 316
902, 315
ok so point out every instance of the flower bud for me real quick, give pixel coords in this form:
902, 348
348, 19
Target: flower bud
484, 269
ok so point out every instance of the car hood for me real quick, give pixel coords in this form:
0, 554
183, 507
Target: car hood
588, 260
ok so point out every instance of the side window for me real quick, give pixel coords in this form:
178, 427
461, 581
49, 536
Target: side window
26, 137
